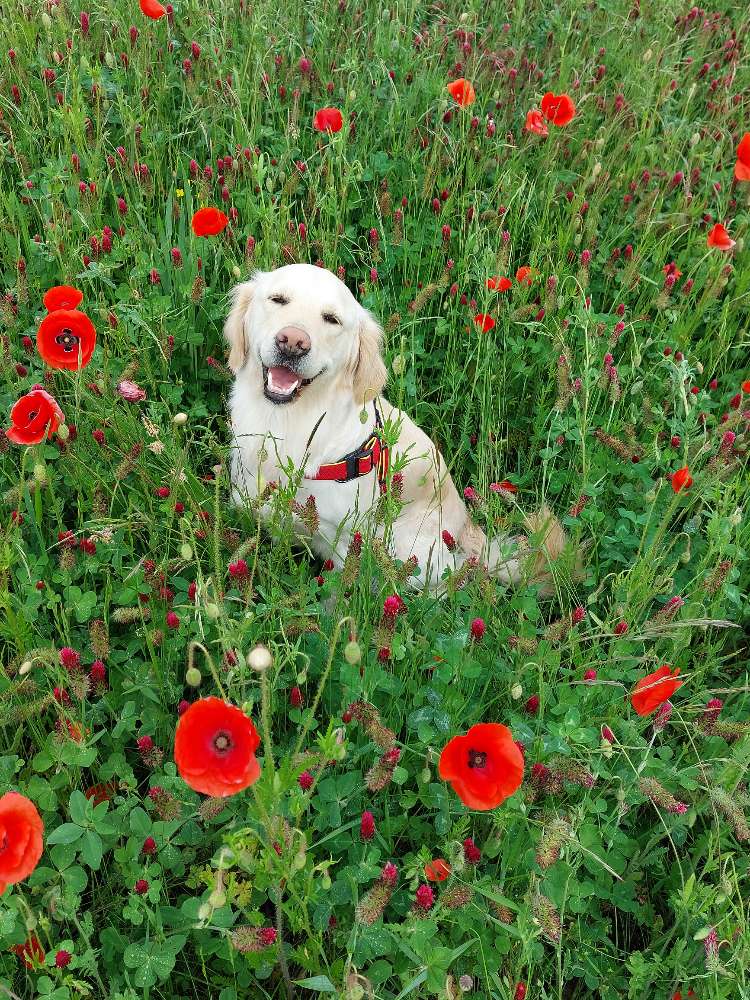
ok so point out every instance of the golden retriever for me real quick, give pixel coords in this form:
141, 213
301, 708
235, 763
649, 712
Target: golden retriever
308, 369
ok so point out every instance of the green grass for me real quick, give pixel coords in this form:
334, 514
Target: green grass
635, 889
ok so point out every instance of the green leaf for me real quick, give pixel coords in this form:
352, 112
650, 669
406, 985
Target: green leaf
80, 808
91, 849
153, 960
320, 983
68, 833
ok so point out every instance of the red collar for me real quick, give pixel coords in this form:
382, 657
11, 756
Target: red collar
371, 454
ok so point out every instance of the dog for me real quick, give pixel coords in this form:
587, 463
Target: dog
308, 367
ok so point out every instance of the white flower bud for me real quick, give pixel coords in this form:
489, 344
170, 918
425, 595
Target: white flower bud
259, 658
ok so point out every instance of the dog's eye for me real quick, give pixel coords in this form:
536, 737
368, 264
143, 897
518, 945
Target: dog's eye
280, 300
331, 318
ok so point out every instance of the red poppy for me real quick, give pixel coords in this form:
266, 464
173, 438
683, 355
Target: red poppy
62, 297
214, 748
524, 275
484, 322
34, 417
499, 284
720, 238
742, 166
462, 92
672, 269
437, 870
21, 845
558, 108
153, 9
535, 123
656, 688
66, 338
209, 222
484, 767
746, 386
31, 951
682, 480
504, 487
328, 120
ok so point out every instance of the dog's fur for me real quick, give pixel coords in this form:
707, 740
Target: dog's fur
272, 439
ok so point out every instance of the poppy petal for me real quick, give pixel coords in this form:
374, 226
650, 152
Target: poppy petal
62, 297
209, 222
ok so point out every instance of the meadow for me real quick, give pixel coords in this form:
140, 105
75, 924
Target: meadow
547, 208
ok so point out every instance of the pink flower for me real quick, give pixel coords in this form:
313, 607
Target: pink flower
471, 852
367, 825
477, 629
424, 898
389, 873
69, 658
130, 391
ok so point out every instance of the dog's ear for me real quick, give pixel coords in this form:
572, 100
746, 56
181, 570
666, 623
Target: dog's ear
234, 327
370, 373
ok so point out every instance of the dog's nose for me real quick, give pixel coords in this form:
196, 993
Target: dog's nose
292, 341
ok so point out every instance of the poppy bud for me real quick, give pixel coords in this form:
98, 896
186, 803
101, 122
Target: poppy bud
352, 652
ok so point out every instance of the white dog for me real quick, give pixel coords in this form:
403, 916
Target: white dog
307, 361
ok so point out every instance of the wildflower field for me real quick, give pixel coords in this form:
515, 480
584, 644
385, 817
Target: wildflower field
228, 770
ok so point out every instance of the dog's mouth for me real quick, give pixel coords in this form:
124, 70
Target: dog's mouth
282, 384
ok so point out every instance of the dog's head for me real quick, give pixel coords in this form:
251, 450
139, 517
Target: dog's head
298, 326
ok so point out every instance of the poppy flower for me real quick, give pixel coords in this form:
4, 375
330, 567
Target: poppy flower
462, 92
672, 269
484, 767
504, 487
62, 297
21, 845
209, 222
328, 120
66, 338
535, 123
682, 480
31, 951
558, 108
524, 275
153, 9
656, 688
746, 386
34, 417
437, 870
484, 322
720, 238
499, 284
742, 166
214, 748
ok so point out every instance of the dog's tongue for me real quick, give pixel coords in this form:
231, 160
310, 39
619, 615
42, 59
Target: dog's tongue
282, 380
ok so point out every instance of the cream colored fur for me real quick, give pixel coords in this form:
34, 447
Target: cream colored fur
345, 363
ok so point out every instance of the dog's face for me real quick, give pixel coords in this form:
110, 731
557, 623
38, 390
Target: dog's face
301, 325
